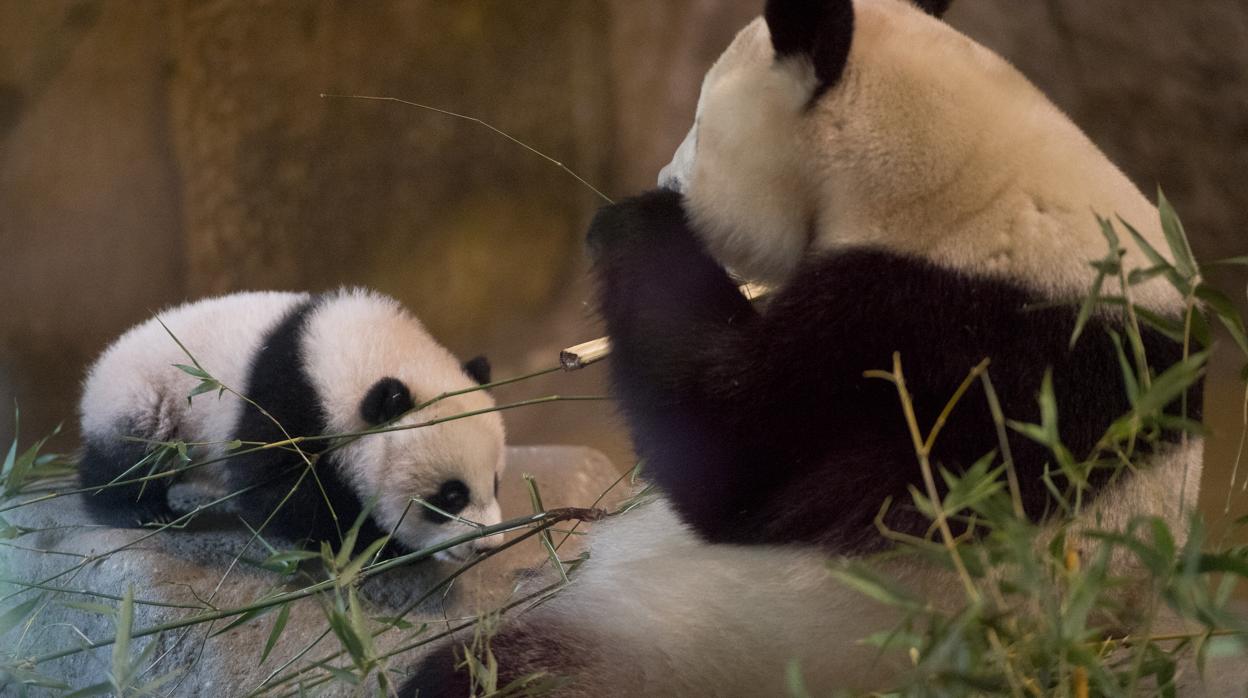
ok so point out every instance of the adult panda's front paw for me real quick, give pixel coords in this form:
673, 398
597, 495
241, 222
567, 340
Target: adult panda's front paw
647, 218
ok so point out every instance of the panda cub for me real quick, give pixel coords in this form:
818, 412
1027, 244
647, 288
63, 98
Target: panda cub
340, 362
903, 189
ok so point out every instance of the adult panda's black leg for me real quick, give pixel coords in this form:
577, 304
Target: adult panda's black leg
121, 506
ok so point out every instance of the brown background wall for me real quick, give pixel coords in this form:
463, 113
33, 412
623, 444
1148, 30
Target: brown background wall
152, 152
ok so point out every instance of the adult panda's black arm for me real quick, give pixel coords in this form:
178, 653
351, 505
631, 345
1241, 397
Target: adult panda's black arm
675, 320
733, 411
763, 428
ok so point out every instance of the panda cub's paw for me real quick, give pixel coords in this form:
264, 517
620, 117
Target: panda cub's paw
648, 218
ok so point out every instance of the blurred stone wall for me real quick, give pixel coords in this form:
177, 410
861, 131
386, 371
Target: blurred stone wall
153, 151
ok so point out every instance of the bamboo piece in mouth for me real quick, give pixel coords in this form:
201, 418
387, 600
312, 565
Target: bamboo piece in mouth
581, 355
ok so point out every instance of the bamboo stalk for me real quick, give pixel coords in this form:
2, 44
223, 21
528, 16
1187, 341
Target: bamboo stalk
581, 355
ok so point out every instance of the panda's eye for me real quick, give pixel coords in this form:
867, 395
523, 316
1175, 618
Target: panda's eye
452, 497
387, 399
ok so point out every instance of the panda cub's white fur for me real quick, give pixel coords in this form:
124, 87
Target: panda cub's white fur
135, 379
310, 362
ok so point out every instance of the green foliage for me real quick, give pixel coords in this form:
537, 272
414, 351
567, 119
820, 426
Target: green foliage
19, 472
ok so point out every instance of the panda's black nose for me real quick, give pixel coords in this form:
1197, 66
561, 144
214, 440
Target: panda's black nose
452, 497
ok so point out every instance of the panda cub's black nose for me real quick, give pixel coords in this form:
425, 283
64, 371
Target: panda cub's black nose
452, 497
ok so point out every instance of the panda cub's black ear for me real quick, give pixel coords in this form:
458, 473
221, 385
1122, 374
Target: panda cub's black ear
478, 369
387, 399
935, 8
820, 30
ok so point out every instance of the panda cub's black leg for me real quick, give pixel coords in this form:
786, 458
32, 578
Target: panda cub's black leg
122, 506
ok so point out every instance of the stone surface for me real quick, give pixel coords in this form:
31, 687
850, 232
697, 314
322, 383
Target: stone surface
193, 566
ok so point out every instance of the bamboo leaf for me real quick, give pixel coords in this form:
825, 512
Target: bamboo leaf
1176, 237
1226, 313
794, 684
1223, 562
247, 617
152, 687
286, 562
1200, 331
358, 623
1179, 424
347, 635
195, 371
1139, 276
1085, 309
206, 386
535, 497
1032, 431
279, 624
351, 570
27, 678
396, 621
1163, 540
1176, 279
16, 615
1129, 382
88, 607
866, 581
95, 689
1237, 261
343, 675
348, 541
1168, 386
19, 473
121, 641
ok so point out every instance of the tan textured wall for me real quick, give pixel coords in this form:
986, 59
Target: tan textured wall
153, 151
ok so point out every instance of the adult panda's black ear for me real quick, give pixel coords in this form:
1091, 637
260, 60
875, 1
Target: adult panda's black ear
821, 30
478, 369
935, 8
387, 399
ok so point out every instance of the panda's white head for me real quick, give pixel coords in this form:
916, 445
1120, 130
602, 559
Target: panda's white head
370, 363
828, 124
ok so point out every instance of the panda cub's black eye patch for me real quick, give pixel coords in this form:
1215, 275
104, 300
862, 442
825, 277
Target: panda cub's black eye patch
387, 399
452, 497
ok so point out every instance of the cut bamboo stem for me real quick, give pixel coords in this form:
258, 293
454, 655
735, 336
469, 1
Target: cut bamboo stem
581, 355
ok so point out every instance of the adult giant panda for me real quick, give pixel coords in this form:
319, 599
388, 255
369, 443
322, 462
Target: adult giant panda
336, 363
904, 190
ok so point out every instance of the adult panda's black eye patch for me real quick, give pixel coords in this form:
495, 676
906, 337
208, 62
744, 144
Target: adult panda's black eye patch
387, 399
452, 497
